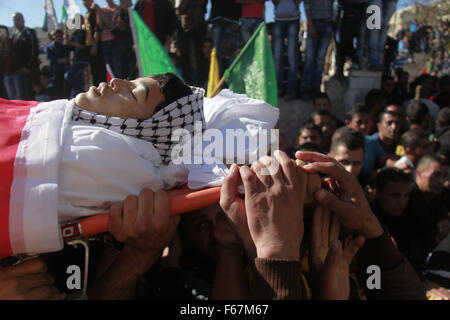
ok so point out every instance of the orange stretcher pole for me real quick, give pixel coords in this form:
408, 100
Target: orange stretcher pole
180, 201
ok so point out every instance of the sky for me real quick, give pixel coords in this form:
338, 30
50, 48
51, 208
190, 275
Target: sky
33, 10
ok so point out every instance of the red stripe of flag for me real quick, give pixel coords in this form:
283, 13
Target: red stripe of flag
13, 117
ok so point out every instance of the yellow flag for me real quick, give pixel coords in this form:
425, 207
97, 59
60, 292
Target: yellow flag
213, 77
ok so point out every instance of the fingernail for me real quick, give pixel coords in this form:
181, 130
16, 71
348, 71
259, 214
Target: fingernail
320, 195
335, 245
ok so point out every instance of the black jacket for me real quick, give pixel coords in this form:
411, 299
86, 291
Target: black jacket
25, 49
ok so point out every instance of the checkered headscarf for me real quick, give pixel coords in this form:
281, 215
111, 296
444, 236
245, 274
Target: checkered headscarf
158, 129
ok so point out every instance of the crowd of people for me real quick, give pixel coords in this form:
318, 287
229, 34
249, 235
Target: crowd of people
384, 200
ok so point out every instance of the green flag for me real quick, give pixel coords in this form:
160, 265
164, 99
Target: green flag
64, 14
253, 71
150, 54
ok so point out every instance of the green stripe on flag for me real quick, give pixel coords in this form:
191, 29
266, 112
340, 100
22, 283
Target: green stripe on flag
253, 71
64, 14
152, 58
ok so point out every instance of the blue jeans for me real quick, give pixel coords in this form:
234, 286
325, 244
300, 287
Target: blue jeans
316, 49
289, 30
14, 84
377, 38
249, 26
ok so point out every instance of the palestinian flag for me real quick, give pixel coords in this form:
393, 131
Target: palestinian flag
29, 176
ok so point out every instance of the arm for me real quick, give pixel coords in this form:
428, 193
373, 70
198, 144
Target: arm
143, 224
230, 281
27, 280
398, 280
270, 223
311, 29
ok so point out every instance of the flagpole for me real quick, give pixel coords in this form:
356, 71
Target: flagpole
135, 40
218, 87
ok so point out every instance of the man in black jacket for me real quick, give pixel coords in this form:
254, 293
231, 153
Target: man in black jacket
25, 52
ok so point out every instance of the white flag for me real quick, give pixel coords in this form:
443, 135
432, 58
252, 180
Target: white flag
71, 8
50, 16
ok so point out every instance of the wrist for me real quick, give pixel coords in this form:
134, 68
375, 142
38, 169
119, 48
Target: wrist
371, 227
139, 261
292, 254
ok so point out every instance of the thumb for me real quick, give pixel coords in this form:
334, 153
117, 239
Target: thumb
333, 258
329, 201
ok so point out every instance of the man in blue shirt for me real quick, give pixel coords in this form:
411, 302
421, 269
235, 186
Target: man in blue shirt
383, 142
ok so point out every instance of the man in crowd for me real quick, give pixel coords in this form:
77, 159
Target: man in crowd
357, 119
287, 24
25, 52
124, 58
430, 203
310, 133
191, 33
383, 142
443, 133
347, 148
93, 42
392, 194
320, 30
416, 145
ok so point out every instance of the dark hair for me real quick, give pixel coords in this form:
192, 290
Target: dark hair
386, 77
172, 87
348, 137
358, 108
386, 111
444, 117
416, 112
413, 137
309, 146
320, 95
390, 174
312, 127
374, 97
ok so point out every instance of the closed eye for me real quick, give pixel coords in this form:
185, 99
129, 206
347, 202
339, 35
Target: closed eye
132, 94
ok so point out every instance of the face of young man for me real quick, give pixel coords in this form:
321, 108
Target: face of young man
394, 197
322, 104
307, 135
424, 147
431, 179
359, 123
389, 127
326, 124
135, 99
198, 229
351, 160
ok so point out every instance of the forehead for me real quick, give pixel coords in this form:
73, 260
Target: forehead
342, 152
397, 187
321, 118
309, 132
387, 117
360, 115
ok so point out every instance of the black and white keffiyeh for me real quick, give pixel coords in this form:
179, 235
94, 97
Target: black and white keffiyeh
180, 114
